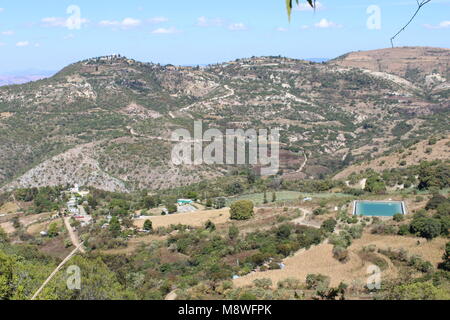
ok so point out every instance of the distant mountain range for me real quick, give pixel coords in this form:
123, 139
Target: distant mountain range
23, 76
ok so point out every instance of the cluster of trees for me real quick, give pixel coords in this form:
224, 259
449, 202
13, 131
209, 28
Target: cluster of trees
43, 199
430, 226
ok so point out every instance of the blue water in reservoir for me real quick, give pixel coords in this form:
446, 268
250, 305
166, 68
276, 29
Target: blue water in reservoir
379, 209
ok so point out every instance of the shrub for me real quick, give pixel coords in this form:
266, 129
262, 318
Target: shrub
340, 253
242, 210
329, 225
435, 201
398, 217
264, 283
445, 264
148, 225
428, 228
289, 283
53, 230
317, 281
209, 225
233, 232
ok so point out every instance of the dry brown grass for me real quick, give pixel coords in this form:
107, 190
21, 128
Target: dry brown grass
319, 259
193, 219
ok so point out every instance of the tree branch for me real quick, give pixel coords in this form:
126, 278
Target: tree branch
420, 4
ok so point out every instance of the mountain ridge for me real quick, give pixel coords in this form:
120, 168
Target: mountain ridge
115, 107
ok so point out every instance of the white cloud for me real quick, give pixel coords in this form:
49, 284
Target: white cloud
441, 25
69, 36
170, 30
2, 44
125, 23
1, 10
60, 22
237, 26
281, 29
304, 27
157, 20
306, 7
324, 24
206, 22
22, 44
8, 33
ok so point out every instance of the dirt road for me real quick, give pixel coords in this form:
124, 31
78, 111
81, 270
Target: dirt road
73, 235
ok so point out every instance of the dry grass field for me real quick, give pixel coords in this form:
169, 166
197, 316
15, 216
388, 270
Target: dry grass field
319, 259
193, 219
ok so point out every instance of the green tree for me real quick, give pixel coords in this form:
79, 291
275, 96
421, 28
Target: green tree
445, 264
375, 184
329, 225
114, 227
209, 225
428, 228
242, 210
417, 291
172, 208
274, 196
435, 201
148, 225
6, 276
53, 230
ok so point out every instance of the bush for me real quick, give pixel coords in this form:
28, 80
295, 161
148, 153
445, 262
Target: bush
445, 264
289, 283
317, 281
403, 230
264, 283
148, 225
209, 225
340, 253
233, 232
329, 225
242, 210
53, 230
398, 217
435, 201
428, 228
172, 208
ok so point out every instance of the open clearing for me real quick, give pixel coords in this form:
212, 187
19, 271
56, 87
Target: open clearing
193, 219
319, 259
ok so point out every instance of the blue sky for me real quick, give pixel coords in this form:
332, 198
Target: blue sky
40, 34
